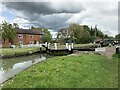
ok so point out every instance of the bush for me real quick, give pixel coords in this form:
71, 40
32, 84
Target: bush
116, 55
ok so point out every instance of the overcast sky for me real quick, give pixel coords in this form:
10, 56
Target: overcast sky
55, 15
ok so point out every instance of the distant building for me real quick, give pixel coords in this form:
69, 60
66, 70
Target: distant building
25, 37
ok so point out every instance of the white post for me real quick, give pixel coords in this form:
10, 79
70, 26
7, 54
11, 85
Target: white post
40, 45
55, 45
21, 46
45, 44
72, 45
48, 45
37, 43
69, 47
66, 45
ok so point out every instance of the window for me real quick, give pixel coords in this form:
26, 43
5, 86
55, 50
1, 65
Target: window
20, 36
31, 36
20, 42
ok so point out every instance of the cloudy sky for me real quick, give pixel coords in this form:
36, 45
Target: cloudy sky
58, 14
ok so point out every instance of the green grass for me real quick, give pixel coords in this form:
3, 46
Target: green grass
18, 51
82, 71
76, 46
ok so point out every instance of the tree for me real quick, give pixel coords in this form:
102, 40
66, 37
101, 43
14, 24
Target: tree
117, 37
15, 25
105, 36
0, 33
46, 37
8, 32
62, 35
75, 32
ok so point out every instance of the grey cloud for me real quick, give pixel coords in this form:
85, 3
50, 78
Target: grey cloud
48, 14
54, 21
44, 8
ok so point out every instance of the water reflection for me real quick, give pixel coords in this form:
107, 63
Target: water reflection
11, 66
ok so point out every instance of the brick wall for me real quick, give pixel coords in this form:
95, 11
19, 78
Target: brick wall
26, 39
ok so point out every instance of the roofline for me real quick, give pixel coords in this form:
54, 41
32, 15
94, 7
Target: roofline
34, 33
29, 33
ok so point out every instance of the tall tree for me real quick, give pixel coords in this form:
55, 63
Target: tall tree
8, 32
63, 35
117, 37
0, 33
15, 25
75, 32
46, 37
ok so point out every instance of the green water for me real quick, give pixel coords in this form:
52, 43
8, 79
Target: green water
12, 66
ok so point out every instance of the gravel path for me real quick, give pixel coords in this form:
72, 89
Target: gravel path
109, 51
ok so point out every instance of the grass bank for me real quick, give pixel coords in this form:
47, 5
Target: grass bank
82, 71
10, 52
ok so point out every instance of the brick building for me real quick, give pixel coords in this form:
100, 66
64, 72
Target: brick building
25, 37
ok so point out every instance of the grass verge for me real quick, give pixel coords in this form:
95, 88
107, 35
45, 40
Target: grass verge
10, 52
82, 71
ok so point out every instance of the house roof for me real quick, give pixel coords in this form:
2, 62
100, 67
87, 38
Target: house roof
28, 31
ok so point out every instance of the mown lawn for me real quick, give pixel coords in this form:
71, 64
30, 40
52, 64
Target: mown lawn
82, 71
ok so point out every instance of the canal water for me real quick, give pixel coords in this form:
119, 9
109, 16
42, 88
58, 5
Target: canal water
9, 67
